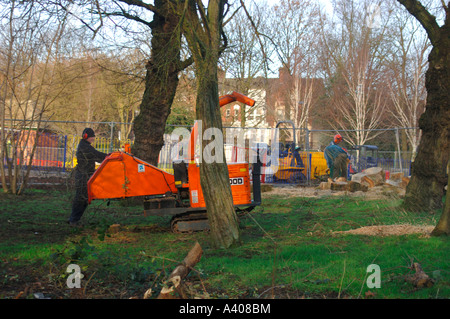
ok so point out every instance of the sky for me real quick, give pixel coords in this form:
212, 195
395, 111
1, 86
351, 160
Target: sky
326, 3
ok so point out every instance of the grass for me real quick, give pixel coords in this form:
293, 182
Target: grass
287, 251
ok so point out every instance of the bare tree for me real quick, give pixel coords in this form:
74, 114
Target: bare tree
407, 68
137, 17
29, 84
353, 61
429, 170
202, 27
294, 34
245, 62
125, 86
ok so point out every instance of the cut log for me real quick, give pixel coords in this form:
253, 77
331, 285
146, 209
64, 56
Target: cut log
370, 177
350, 186
404, 182
365, 180
420, 279
338, 186
357, 177
373, 171
174, 289
356, 187
324, 186
376, 175
396, 176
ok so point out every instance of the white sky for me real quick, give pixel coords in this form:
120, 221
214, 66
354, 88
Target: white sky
326, 3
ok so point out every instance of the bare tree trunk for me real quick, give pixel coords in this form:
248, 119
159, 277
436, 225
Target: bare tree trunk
161, 82
426, 188
29, 85
214, 176
203, 30
443, 226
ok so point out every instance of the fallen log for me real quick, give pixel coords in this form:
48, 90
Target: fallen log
420, 279
338, 186
356, 187
350, 186
367, 181
376, 175
175, 289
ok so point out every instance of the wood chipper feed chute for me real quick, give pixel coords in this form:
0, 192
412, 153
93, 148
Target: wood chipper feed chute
121, 175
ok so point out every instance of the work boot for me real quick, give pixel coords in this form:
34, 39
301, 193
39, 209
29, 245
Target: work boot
74, 224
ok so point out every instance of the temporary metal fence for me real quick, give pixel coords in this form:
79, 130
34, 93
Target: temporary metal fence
302, 164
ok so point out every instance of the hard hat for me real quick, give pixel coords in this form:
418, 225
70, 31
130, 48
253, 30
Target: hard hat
337, 138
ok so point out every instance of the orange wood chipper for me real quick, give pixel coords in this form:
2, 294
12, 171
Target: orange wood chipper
122, 175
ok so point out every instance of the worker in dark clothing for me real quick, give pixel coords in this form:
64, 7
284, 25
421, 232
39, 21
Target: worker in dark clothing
87, 156
337, 160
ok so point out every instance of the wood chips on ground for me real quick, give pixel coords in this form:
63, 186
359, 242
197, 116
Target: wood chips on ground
379, 192
389, 230
289, 191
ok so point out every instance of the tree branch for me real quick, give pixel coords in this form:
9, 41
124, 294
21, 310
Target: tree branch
426, 19
141, 4
184, 64
259, 34
126, 15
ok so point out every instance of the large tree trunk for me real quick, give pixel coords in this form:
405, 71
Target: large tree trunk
426, 188
161, 82
203, 34
214, 177
443, 226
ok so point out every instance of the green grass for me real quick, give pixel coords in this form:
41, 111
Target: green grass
287, 250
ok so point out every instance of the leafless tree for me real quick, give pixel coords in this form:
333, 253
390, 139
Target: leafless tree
203, 29
245, 63
354, 54
295, 34
430, 168
407, 67
29, 83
